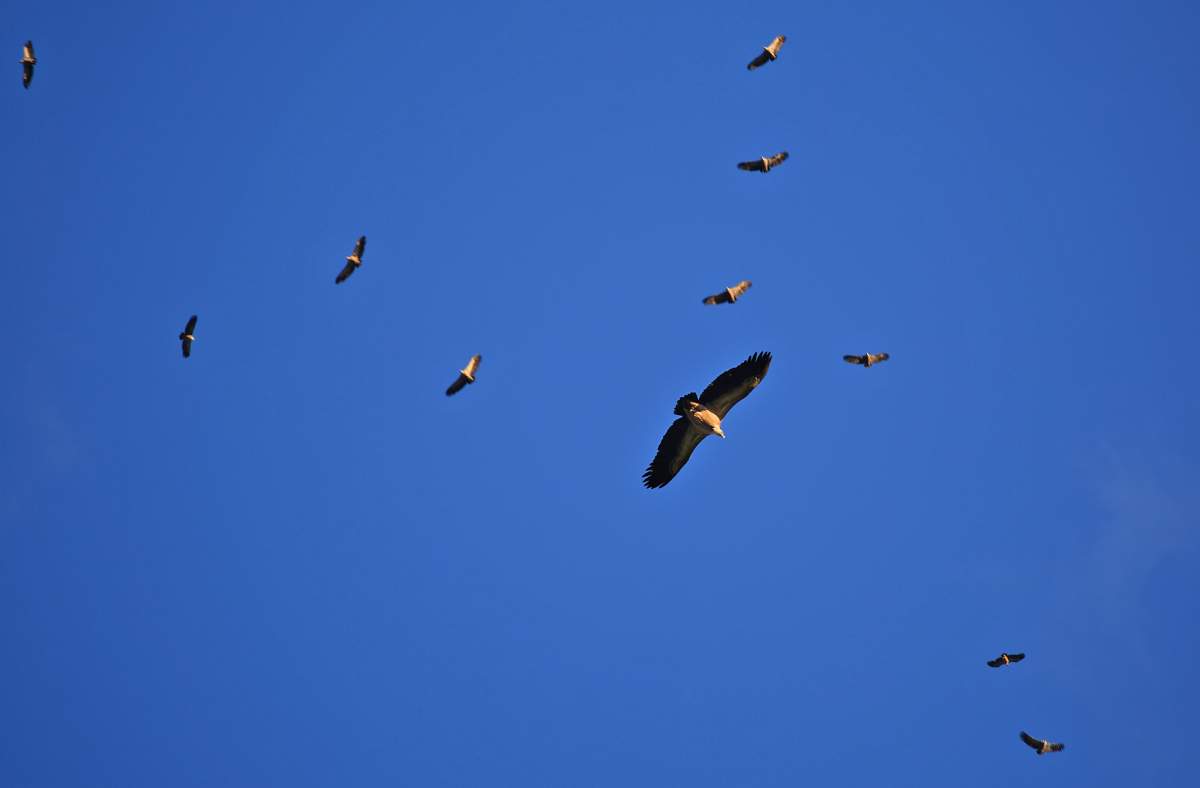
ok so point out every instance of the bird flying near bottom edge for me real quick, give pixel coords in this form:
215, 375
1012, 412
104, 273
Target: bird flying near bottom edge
867, 359
188, 336
764, 163
1041, 745
466, 375
701, 416
353, 261
769, 53
730, 294
1005, 659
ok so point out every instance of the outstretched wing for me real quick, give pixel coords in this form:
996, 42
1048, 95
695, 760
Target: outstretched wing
360, 247
1057, 747
26, 74
732, 386
190, 328
674, 450
777, 159
776, 45
720, 298
876, 358
473, 364
1032, 742
740, 288
762, 58
1015, 657
995, 663
853, 359
28, 51
751, 166
345, 274
457, 385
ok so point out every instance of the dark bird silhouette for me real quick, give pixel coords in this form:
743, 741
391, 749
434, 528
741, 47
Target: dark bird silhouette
1005, 659
701, 416
1041, 745
867, 359
769, 53
730, 294
763, 164
465, 375
28, 61
188, 336
353, 261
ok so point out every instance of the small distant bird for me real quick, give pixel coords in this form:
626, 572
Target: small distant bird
770, 52
1005, 659
1041, 745
188, 336
763, 164
353, 261
28, 61
465, 375
701, 416
730, 294
866, 360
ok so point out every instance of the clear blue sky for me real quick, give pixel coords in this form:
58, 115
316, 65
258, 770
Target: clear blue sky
292, 561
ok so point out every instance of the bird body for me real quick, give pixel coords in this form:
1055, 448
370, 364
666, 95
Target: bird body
701, 416
28, 61
1005, 659
769, 53
466, 375
764, 163
730, 295
867, 359
353, 260
188, 336
1041, 745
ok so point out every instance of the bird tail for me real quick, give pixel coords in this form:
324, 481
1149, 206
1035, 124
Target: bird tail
681, 406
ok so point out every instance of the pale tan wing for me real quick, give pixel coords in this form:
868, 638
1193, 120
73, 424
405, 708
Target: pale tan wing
732, 385
674, 450
740, 288
777, 159
775, 45
473, 364
27, 51
876, 358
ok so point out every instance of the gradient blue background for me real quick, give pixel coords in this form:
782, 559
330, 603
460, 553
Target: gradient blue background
291, 561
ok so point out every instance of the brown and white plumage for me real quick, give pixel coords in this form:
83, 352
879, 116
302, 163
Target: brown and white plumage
353, 261
1041, 745
700, 416
1005, 659
188, 336
866, 359
28, 61
465, 375
764, 164
730, 294
769, 53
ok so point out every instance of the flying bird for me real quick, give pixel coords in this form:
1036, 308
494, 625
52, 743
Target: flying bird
770, 52
353, 261
701, 416
188, 336
465, 375
730, 294
28, 61
1041, 745
1005, 659
763, 164
867, 359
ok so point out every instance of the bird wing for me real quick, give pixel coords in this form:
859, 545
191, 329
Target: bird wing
360, 247
732, 386
674, 450
751, 166
740, 288
853, 359
1015, 657
1032, 742
995, 663
473, 364
1057, 747
190, 328
457, 385
345, 274
776, 45
875, 359
28, 53
778, 158
720, 298
26, 73
762, 58
187, 348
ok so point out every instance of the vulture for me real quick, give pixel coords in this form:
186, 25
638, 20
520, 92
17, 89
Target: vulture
188, 336
1005, 659
28, 61
730, 294
867, 359
1041, 745
769, 53
763, 164
353, 261
465, 375
701, 416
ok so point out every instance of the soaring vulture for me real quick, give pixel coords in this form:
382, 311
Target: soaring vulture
1041, 745
353, 261
701, 416
1005, 659
866, 359
764, 163
28, 61
730, 294
465, 375
188, 336
769, 53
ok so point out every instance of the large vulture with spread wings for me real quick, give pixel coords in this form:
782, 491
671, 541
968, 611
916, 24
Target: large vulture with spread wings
1041, 745
730, 294
769, 53
188, 336
701, 416
466, 375
353, 261
764, 163
866, 359
28, 61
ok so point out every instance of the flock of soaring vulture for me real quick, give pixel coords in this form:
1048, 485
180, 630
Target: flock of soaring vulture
699, 415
